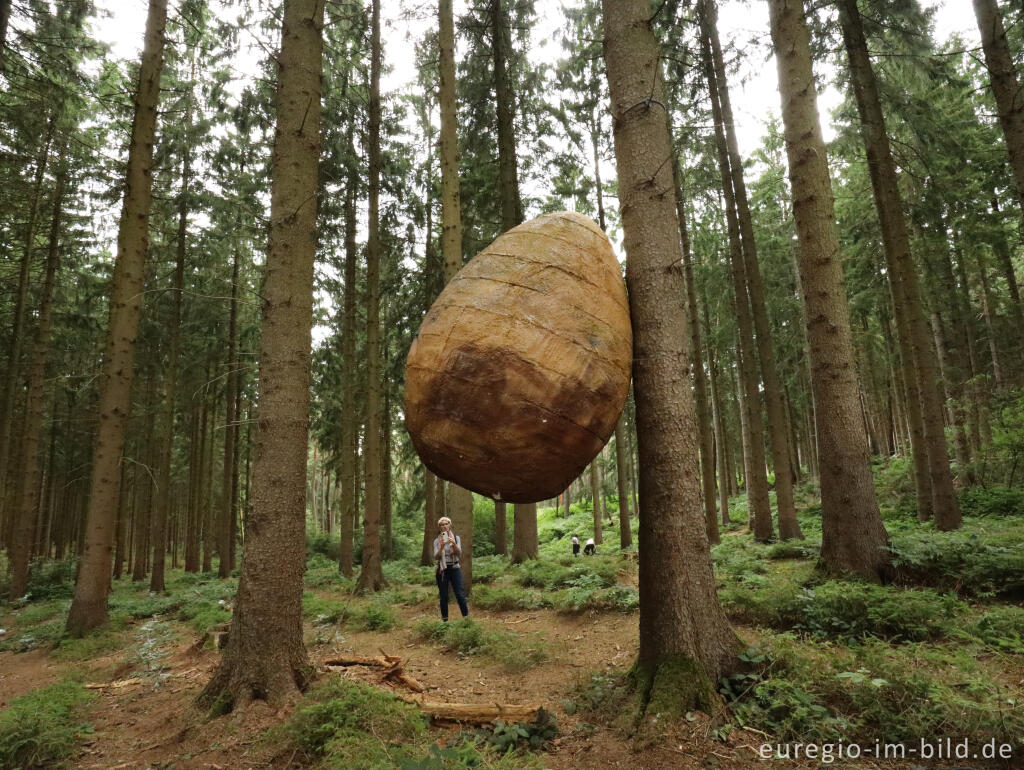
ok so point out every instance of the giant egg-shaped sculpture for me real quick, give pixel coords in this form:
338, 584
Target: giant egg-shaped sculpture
522, 364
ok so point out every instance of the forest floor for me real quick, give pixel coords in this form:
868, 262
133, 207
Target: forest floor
147, 680
830, 662
145, 714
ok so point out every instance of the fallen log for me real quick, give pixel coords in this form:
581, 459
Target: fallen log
391, 664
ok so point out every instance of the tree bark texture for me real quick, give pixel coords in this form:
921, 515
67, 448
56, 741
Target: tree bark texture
622, 481
686, 643
265, 657
853, 537
89, 606
348, 472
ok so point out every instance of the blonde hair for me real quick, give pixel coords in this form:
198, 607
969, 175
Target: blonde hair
442, 520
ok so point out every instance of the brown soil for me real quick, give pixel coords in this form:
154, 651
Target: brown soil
144, 716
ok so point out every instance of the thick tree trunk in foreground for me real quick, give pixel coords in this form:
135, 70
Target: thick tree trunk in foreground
686, 643
1005, 86
896, 244
460, 501
265, 657
853, 537
89, 606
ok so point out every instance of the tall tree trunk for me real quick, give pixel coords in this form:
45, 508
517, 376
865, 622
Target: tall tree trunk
896, 245
756, 477
1005, 86
12, 375
158, 533
265, 657
505, 109
371, 576
89, 606
988, 316
500, 528
853, 538
720, 443
700, 387
349, 475
229, 481
595, 499
622, 480
26, 503
778, 428
524, 532
686, 643
459, 500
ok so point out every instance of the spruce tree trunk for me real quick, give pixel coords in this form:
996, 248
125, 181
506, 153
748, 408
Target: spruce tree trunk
621, 477
229, 481
595, 500
524, 532
26, 504
987, 316
686, 643
371, 576
700, 386
158, 533
854, 539
896, 245
1005, 86
89, 606
12, 375
504, 103
265, 657
778, 427
720, 443
459, 501
349, 479
500, 528
756, 477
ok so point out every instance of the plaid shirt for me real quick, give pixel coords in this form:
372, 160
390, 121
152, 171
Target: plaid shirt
448, 557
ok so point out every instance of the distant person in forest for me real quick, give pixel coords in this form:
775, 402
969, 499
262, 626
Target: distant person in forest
575, 546
447, 550
589, 548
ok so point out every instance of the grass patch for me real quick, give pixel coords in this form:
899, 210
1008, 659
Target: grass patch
41, 729
871, 691
467, 637
1001, 628
350, 724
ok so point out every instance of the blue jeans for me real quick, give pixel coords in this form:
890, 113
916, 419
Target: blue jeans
452, 576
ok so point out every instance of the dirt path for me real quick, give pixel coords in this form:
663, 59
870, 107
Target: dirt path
144, 717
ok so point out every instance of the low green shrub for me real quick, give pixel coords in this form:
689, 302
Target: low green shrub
843, 609
50, 579
599, 571
502, 598
321, 611
814, 692
145, 606
992, 501
1001, 628
41, 729
793, 549
977, 560
373, 617
345, 723
467, 637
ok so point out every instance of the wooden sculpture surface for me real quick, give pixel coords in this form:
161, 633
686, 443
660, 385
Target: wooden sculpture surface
522, 364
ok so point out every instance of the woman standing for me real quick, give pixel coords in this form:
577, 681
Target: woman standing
447, 550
